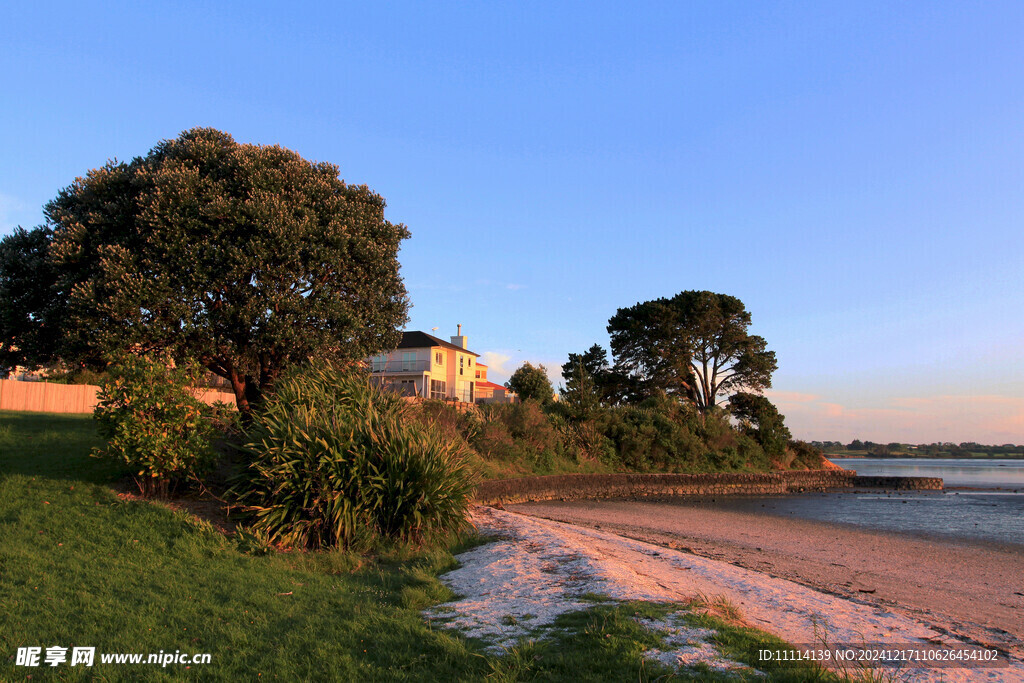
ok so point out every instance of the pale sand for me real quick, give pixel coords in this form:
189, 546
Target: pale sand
540, 568
974, 590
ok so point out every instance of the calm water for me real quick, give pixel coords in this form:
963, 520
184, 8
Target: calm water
981, 472
986, 515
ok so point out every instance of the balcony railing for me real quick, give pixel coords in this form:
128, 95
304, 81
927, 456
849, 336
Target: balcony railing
400, 366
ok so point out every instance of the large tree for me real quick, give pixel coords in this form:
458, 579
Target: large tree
695, 344
242, 257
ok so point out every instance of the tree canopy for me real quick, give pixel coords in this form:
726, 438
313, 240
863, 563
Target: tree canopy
531, 382
760, 419
695, 344
245, 258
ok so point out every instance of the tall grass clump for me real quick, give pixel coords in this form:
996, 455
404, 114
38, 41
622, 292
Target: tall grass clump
335, 461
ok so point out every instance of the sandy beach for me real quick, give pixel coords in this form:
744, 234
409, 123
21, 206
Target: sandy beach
532, 570
971, 590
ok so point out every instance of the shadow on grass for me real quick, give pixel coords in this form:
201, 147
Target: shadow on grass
52, 446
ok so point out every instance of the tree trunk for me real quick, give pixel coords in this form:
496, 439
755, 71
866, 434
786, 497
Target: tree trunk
253, 395
238, 385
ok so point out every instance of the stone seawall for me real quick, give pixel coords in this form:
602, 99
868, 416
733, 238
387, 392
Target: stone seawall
589, 486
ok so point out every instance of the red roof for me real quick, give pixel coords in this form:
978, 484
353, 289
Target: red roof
488, 385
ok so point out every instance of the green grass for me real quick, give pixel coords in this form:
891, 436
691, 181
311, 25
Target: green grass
51, 446
588, 645
79, 566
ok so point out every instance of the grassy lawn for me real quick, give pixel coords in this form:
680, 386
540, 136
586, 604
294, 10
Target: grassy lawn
80, 566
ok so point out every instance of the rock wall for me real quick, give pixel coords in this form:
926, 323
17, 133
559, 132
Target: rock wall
589, 486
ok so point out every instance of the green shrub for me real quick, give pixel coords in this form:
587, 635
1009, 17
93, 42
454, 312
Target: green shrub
761, 420
494, 441
520, 432
752, 455
805, 456
338, 462
528, 425
447, 420
659, 435
154, 425
78, 376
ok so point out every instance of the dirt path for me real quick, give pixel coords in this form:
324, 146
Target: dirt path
973, 590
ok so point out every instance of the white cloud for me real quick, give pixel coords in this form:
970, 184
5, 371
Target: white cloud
496, 363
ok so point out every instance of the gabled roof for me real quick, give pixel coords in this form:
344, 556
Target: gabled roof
489, 385
419, 340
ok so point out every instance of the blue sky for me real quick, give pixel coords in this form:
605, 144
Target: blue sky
852, 171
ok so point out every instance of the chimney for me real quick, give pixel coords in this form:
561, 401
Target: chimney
459, 340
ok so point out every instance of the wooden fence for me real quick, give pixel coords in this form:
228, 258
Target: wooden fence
47, 397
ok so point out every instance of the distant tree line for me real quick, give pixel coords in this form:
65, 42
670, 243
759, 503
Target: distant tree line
947, 448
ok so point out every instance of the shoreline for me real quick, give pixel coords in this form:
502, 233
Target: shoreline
532, 569
967, 588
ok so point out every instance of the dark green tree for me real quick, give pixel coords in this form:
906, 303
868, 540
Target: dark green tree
695, 345
761, 420
244, 258
610, 384
580, 394
584, 375
531, 382
28, 335
594, 361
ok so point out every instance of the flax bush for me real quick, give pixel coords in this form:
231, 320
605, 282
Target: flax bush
336, 462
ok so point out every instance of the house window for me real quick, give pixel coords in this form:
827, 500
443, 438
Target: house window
462, 363
438, 389
439, 358
380, 363
478, 374
409, 361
